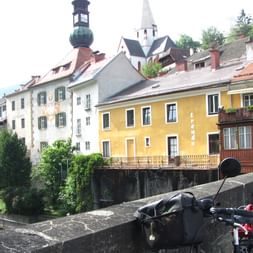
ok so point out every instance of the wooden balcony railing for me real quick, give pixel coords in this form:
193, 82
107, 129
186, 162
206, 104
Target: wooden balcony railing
186, 161
235, 115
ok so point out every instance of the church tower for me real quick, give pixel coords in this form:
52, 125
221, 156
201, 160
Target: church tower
147, 33
81, 36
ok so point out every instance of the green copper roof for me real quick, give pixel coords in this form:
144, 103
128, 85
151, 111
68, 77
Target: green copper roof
81, 37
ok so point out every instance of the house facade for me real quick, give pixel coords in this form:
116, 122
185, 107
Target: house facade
174, 115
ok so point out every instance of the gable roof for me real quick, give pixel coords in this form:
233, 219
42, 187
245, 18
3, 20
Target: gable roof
134, 47
161, 45
177, 82
66, 67
245, 74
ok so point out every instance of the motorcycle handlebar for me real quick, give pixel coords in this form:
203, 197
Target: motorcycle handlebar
231, 211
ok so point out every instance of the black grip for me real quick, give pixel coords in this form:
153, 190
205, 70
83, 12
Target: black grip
233, 211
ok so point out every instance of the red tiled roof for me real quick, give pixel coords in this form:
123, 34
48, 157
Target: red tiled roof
71, 62
245, 74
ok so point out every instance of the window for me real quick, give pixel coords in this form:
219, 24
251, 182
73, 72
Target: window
4, 108
87, 145
199, 65
106, 120
84, 18
171, 112
147, 141
13, 124
60, 119
13, 105
87, 121
23, 140
22, 103
59, 94
172, 147
42, 122
78, 147
230, 140
87, 102
42, 98
213, 144
234, 136
146, 116
43, 145
1, 113
247, 100
78, 127
213, 103
130, 118
22, 123
106, 148
78, 100
245, 137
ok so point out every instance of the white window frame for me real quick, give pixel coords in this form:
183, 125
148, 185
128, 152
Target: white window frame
229, 140
87, 145
166, 141
109, 123
245, 137
242, 99
147, 141
150, 123
207, 105
78, 127
130, 109
207, 141
166, 120
109, 147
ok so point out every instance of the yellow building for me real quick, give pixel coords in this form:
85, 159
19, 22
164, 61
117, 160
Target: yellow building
173, 115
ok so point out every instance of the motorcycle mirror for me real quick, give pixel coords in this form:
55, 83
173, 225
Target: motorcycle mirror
230, 167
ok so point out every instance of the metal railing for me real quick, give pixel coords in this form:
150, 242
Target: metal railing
186, 161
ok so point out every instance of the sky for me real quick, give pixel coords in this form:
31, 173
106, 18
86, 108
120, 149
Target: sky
35, 34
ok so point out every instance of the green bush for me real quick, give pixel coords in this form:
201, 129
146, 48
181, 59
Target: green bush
23, 201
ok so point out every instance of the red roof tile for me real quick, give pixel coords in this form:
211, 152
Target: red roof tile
245, 74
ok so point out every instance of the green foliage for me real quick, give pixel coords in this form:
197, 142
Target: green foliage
186, 42
242, 28
76, 196
212, 38
53, 167
15, 166
250, 107
23, 201
230, 110
151, 69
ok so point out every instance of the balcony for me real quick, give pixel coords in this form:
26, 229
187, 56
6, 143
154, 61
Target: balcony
227, 116
163, 162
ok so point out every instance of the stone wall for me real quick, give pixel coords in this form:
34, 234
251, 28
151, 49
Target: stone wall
114, 229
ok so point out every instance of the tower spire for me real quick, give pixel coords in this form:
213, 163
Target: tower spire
82, 36
148, 30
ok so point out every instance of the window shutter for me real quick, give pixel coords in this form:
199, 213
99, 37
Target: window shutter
45, 97
38, 99
64, 119
56, 95
63, 93
39, 123
57, 120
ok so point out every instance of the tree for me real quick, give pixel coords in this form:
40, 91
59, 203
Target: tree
15, 166
186, 42
76, 196
212, 38
151, 69
242, 28
53, 167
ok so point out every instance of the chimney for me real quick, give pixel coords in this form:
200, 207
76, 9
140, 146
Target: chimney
215, 59
249, 50
181, 65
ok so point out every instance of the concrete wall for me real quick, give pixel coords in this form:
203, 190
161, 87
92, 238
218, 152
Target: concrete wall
114, 229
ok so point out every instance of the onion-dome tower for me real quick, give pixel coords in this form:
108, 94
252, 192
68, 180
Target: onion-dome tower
81, 36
